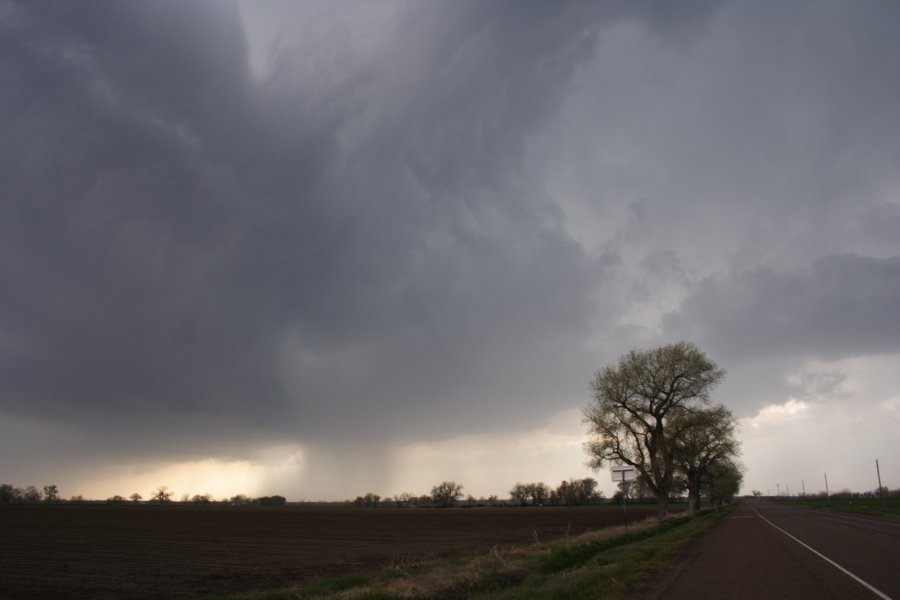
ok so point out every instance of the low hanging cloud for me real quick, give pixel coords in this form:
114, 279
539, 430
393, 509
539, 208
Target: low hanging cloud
842, 306
339, 243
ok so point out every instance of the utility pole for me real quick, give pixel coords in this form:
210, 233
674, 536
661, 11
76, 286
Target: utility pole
778, 489
880, 489
826, 486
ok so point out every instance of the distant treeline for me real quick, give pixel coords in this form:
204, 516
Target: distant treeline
844, 494
30, 494
573, 492
448, 493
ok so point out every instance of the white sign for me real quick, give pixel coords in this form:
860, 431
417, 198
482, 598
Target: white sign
623, 473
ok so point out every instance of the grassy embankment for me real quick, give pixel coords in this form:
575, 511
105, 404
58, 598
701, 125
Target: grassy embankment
860, 506
607, 564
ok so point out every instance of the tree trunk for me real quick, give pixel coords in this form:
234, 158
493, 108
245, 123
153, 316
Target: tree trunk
693, 494
693, 502
662, 507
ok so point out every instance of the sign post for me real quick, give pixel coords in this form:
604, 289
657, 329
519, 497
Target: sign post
621, 474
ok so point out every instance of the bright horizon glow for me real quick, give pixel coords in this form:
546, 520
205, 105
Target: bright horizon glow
220, 478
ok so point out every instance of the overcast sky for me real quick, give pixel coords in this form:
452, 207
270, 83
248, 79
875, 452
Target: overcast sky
325, 248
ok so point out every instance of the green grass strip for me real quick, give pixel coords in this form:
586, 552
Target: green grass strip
859, 506
610, 569
564, 557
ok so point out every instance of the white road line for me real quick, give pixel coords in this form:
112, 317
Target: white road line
859, 580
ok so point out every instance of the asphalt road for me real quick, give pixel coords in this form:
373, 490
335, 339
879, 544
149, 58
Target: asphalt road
769, 550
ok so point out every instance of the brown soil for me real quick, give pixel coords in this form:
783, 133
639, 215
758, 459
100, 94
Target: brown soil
139, 552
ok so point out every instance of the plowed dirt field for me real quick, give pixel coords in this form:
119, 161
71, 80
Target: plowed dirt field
138, 552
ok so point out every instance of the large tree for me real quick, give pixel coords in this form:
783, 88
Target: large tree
637, 408
708, 442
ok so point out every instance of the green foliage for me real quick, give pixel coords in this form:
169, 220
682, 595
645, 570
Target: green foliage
637, 406
723, 481
706, 451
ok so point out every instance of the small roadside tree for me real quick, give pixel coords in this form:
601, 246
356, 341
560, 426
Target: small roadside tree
446, 493
634, 409
723, 481
708, 440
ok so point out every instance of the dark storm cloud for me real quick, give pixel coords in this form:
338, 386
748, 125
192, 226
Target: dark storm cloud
344, 243
116, 209
842, 306
336, 224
